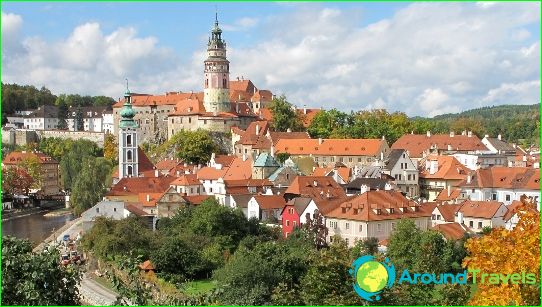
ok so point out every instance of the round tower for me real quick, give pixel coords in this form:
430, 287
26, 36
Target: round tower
217, 73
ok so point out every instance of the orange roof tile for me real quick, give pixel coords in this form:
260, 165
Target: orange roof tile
266, 114
319, 188
448, 168
136, 185
452, 231
344, 172
224, 160
330, 147
167, 164
448, 211
267, 202
416, 144
443, 195
210, 173
505, 177
307, 115
16, 157
380, 205
242, 85
149, 199
480, 209
276, 136
140, 100
515, 207
257, 139
186, 179
196, 199
239, 169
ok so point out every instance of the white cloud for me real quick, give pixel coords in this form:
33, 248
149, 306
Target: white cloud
426, 59
11, 25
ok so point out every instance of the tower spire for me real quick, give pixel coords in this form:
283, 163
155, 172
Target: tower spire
216, 15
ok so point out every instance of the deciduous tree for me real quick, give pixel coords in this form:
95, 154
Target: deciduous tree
284, 115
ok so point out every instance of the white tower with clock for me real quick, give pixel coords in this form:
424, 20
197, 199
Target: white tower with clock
217, 74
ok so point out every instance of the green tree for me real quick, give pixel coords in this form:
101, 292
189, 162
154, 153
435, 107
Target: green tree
72, 155
78, 120
327, 281
327, 123
284, 115
178, 260
367, 246
62, 115
194, 146
90, 185
16, 180
36, 278
403, 244
33, 167
282, 156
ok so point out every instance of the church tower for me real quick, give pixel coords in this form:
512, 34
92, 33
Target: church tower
128, 159
217, 73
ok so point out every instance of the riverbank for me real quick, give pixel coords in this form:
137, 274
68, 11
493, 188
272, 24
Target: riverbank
69, 228
18, 213
58, 212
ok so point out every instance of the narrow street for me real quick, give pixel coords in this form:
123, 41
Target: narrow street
92, 293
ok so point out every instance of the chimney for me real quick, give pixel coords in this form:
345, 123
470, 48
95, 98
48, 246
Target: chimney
257, 129
387, 187
514, 145
452, 134
524, 158
305, 109
459, 217
469, 134
381, 156
243, 78
463, 132
288, 130
237, 78
155, 173
244, 157
272, 151
469, 178
428, 133
178, 173
148, 197
320, 141
499, 137
363, 188
449, 146
449, 190
315, 183
237, 108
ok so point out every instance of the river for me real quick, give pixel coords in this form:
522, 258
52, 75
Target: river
35, 227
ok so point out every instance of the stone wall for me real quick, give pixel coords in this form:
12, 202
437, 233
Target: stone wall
97, 137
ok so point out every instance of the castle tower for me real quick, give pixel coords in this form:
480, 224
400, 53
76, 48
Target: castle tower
128, 158
217, 73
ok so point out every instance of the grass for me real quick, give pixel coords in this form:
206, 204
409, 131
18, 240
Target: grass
198, 286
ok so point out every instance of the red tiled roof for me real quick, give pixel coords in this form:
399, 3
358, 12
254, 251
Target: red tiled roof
307, 115
16, 157
224, 160
448, 211
186, 179
505, 177
147, 265
515, 207
249, 136
237, 187
210, 173
330, 147
266, 114
270, 201
136, 185
276, 136
380, 205
196, 199
140, 100
167, 164
480, 209
133, 208
151, 202
305, 186
443, 195
344, 172
452, 231
239, 169
416, 144
448, 168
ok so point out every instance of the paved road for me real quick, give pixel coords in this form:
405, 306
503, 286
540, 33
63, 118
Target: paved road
95, 294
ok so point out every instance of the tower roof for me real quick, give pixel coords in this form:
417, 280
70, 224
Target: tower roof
127, 113
216, 41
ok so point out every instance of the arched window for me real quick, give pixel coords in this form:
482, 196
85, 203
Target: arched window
129, 140
129, 170
224, 85
129, 155
206, 83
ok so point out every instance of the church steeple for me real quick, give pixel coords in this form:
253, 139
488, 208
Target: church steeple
217, 73
127, 113
128, 155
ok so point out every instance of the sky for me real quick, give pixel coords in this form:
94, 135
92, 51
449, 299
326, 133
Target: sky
421, 58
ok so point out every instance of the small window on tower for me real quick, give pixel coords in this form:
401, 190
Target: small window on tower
129, 140
224, 83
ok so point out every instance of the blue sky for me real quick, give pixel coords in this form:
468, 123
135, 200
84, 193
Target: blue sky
420, 58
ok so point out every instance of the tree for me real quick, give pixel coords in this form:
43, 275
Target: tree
316, 230
282, 157
284, 115
177, 260
367, 246
506, 252
111, 149
62, 115
36, 278
16, 180
327, 123
403, 244
90, 185
194, 146
73, 154
131, 288
32, 167
78, 122
327, 281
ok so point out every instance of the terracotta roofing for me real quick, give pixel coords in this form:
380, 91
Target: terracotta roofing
224, 160
188, 107
380, 205
136, 185
237, 95
448, 168
344, 172
319, 188
239, 169
276, 136
145, 166
270, 201
133, 208
452, 231
262, 95
266, 114
147, 265
307, 115
210, 173
242, 85
167, 164
443, 195
16, 157
330, 147
186, 179
255, 135
505, 178
140, 100
416, 144
448, 211
149, 199
196, 199
480, 209
241, 200
242, 186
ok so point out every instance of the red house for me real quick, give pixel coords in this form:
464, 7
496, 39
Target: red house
291, 214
